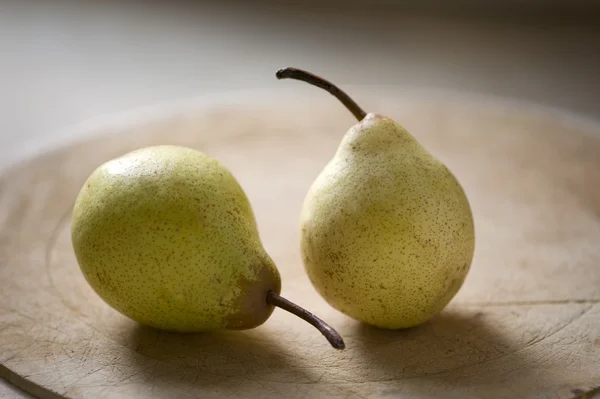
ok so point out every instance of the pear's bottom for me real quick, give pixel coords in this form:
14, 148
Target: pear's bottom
390, 312
261, 314
168, 313
198, 329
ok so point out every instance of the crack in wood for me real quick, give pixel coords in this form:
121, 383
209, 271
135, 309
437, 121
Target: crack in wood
532, 302
591, 394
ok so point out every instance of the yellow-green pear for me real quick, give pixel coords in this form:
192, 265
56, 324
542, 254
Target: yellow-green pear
167, 236
387, 232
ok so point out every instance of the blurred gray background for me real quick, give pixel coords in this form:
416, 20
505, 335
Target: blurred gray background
64, 62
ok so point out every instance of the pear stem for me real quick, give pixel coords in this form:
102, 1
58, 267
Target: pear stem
332, 336
298, 74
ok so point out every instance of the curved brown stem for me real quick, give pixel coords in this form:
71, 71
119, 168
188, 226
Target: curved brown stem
299, 74
332, 336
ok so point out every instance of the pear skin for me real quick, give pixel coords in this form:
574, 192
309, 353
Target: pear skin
166, 236
387, 233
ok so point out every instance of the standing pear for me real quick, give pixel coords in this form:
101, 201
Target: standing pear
387, 232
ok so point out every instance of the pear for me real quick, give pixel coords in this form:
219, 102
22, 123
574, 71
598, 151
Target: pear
166, 236
387, 232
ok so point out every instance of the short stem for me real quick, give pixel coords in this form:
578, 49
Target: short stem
332, 336
298, 74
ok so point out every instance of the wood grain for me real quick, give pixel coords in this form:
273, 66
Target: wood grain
525, 324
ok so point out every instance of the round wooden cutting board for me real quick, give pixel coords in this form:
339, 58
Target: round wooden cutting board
525, 324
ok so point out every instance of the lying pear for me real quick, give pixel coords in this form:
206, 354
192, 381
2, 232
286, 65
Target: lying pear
387, 233
166, 236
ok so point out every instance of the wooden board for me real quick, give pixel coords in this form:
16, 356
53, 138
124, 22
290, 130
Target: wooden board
525, 324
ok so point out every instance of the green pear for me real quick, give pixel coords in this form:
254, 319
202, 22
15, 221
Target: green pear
167, 236
387, 232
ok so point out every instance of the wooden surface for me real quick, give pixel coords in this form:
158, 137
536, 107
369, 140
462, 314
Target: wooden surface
525, 324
